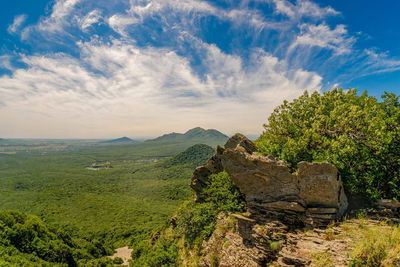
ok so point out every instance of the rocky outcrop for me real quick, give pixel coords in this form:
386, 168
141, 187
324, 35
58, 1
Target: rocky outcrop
384, 210
214, 165
257, 241
242, 241
314, 195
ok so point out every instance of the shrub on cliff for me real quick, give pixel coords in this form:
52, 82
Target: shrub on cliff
196, 221
359, 134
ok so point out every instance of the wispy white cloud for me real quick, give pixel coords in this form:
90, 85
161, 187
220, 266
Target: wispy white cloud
371, 61
55, 23
302, 8
16, 25
93, 17
139, 10
5, 62
186, 13
322, 36
119, 22
378, 62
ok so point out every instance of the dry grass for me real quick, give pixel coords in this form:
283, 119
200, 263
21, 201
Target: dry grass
375, 243
322, 259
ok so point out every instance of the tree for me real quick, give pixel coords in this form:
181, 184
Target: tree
359, 134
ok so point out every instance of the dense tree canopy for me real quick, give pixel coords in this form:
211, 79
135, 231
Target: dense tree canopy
25, 240
357, 133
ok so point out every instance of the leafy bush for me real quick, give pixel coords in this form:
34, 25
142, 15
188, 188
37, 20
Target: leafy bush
358, 134
162, 251
196, 221
118, 260
223, 193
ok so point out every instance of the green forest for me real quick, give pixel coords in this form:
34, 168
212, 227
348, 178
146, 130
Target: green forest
58, 209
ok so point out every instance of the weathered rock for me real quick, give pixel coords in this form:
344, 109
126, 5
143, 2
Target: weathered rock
388, 204
269, 186
294, 260
261, 179
199, 180
386, 209
240, 241
322, 210
320, 186
283, 205
239, 140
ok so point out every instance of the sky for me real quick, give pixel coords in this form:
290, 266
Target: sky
105, 69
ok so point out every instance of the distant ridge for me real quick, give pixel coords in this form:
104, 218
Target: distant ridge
196, 135
118, 140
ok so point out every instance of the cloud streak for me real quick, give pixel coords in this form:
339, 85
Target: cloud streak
16, 25
302, 8
322, 36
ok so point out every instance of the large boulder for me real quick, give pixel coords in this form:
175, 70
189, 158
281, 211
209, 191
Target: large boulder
314, 194
265, 181
321, 187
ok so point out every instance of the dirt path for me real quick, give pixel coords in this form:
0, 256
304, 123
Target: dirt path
124, 253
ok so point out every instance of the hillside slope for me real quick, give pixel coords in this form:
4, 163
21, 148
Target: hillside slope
193, 156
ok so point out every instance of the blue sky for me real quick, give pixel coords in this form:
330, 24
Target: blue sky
99, 69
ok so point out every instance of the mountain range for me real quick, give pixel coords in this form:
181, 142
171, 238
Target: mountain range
196, 135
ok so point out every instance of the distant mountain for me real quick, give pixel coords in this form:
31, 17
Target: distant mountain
196, 135
193, 156
118, 141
